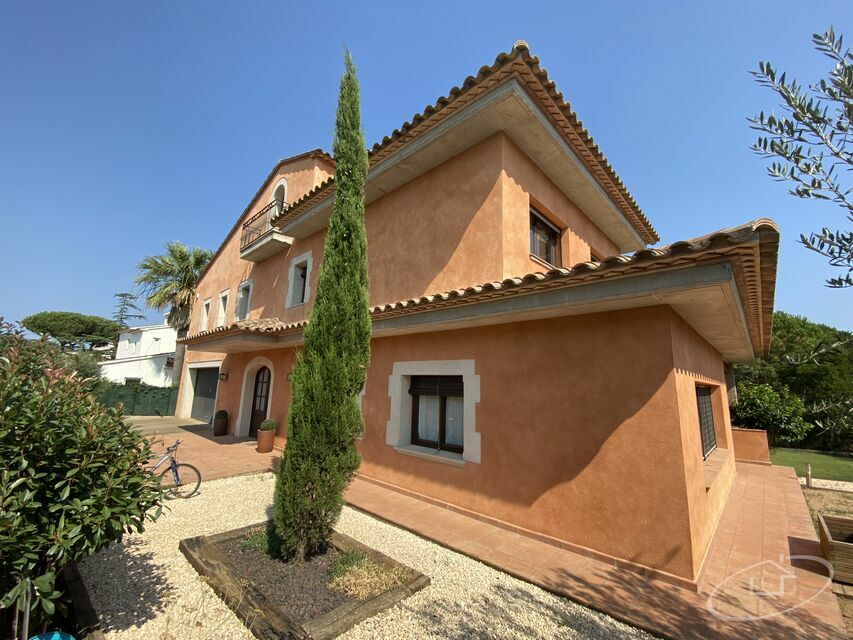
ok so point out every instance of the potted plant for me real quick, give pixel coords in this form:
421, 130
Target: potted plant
220, 423
266, 435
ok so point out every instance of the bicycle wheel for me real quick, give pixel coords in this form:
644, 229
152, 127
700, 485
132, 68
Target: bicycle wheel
184, 485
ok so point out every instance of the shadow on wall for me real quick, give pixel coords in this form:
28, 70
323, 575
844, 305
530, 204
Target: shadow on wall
575, 397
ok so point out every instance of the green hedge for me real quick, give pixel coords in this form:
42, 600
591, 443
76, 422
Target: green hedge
140, 399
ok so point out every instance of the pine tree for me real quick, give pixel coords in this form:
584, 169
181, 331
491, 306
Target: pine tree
126, 309
325, 418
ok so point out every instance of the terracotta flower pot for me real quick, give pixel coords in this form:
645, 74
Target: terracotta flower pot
265, 440
220, 426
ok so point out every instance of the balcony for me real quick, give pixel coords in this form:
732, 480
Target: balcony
260, 239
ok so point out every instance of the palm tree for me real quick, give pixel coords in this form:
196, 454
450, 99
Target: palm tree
169, 281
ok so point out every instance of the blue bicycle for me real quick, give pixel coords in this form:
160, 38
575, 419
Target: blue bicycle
184, 479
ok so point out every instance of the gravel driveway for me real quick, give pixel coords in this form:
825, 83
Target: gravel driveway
144, 588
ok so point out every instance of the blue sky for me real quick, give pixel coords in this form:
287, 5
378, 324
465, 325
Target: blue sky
125, 125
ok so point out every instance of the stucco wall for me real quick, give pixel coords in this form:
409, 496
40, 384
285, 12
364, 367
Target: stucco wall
707, 482
149, 369
525, 185
750, 445
579, 426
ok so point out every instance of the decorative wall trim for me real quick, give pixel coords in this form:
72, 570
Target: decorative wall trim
397, 431
244, 417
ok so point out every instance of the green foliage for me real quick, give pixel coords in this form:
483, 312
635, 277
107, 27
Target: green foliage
826, 466
71, 476
221, 413
169, 281
74, 330
138, 398
808, 144
256, 541
780, 414
345, 561
815, 362
268, 425
325, 417
126, 309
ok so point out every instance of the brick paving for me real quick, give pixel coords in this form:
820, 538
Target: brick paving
748, 573
216, 457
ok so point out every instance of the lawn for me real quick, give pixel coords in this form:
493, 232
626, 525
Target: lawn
826, 466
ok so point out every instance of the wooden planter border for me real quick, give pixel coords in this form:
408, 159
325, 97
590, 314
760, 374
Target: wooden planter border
839, 554
265, 619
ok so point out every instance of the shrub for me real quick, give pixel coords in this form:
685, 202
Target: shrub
71, 474
325, 418
780, 414
268, 425
221, 413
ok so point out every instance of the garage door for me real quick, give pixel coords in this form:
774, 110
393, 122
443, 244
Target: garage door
204, 396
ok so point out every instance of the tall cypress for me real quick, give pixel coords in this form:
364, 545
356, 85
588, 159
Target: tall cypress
325, 417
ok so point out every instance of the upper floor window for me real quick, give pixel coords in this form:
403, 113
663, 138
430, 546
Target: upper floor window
706, 420
279, 196
223, 309
437, 412
299, 280
205, 315
544, 239
244, 295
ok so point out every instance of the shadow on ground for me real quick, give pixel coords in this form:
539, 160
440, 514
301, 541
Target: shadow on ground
140, 595
448, 618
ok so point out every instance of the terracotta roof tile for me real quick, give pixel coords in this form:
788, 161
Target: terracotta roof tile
518, 63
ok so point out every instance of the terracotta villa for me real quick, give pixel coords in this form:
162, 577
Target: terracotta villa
535, 362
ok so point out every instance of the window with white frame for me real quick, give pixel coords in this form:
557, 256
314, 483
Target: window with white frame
299, 280
244, 296
223, 308
205, 315
433, 410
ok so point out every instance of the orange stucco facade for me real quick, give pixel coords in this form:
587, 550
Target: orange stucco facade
584, 430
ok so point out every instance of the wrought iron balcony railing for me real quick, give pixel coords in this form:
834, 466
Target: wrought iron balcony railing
259, 224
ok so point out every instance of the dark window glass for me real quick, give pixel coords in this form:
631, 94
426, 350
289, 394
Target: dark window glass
706, 420
544, 239
437, 407
301, 275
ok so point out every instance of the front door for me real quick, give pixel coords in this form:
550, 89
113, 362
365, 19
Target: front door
260, 400
204, 393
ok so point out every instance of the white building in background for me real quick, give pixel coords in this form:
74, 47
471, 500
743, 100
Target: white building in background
143, 354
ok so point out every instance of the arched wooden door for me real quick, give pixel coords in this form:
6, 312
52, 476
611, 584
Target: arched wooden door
260, 400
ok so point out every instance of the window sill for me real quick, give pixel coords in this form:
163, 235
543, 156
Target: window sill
713, 464
544, 263
295, 306
445, 457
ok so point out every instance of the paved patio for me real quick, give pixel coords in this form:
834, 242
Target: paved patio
748, 573
216, 457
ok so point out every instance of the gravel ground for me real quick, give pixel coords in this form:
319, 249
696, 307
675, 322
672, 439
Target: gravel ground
144, 588
818, 483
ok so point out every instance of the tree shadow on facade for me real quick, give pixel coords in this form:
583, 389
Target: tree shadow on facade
126, 585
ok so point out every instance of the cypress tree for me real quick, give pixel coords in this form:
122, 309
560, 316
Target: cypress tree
325, 417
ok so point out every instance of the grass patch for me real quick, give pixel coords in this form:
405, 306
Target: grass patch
256, 541
346, 561
826, 466
833, 503
361, 577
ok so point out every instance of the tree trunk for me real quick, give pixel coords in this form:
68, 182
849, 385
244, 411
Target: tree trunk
180, 352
